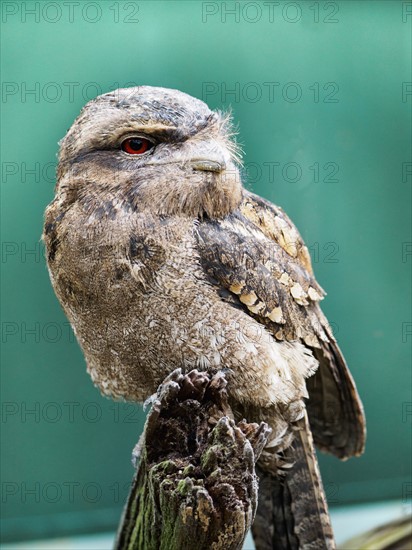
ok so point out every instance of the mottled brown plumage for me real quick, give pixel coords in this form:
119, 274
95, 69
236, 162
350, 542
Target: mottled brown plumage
163, 260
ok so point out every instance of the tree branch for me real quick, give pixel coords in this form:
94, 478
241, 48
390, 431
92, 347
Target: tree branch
195, 487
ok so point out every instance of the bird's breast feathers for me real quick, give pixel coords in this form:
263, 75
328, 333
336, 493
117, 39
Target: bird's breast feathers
200, 293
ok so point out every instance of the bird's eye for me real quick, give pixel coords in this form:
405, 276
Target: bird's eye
136, 145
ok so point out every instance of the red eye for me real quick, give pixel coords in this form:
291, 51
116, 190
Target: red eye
136, 145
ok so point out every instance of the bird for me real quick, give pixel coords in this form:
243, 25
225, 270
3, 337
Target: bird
162, 258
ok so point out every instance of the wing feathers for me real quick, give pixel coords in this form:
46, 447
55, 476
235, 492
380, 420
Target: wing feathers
258, 256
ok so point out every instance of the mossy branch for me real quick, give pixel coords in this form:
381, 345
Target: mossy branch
195, 487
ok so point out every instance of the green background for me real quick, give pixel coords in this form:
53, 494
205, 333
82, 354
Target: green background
338, 127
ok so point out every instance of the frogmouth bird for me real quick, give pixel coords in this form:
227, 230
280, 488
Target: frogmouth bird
162, 259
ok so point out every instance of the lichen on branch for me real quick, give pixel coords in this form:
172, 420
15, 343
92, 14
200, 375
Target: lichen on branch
195, 486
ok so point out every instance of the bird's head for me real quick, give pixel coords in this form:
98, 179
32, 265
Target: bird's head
156, 149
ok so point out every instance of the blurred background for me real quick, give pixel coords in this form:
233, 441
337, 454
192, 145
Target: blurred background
322, 95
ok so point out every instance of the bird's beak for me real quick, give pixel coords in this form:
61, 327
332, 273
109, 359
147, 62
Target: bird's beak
208, 165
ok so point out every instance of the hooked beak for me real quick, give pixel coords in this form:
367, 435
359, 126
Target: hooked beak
208, 165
